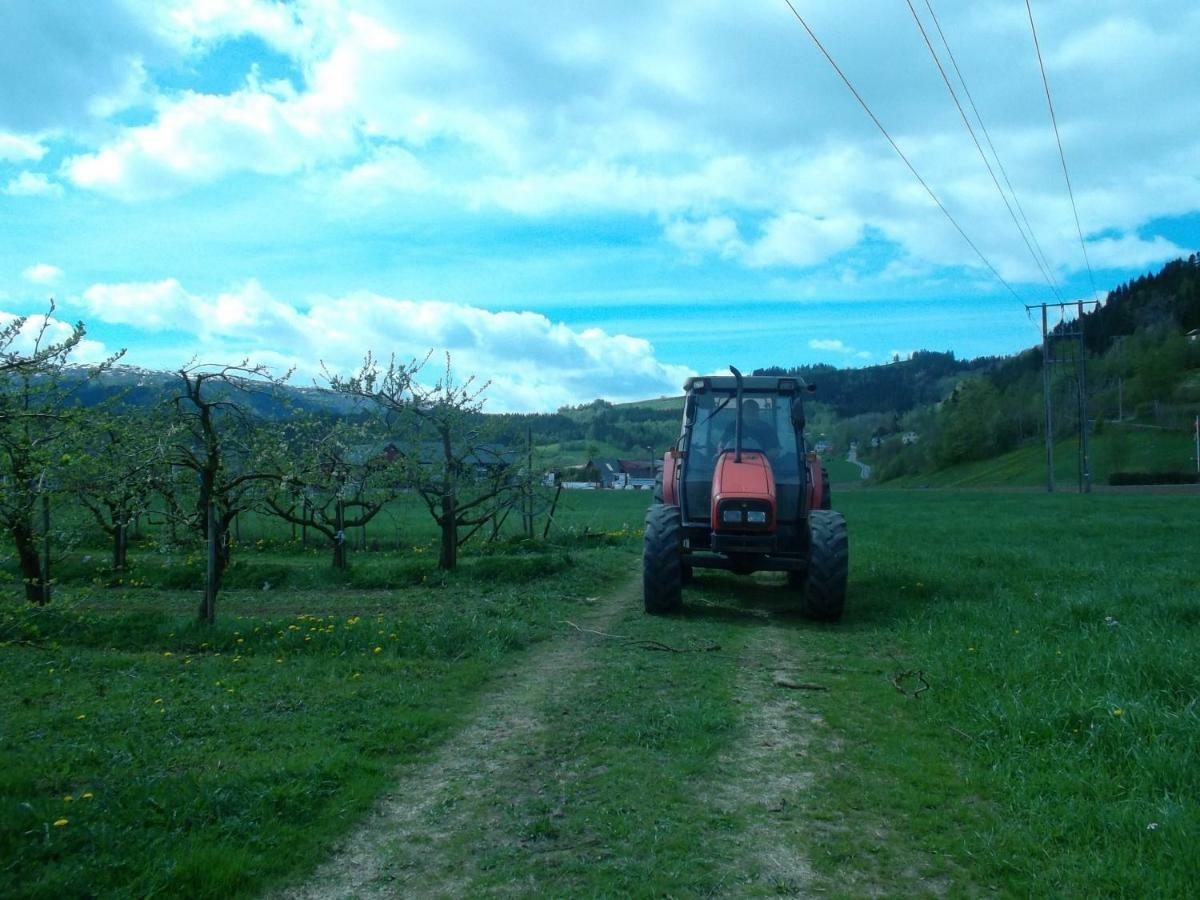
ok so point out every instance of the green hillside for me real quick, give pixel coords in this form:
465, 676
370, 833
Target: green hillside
1116, 448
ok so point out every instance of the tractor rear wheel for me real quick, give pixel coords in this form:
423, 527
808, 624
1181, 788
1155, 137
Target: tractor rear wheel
828, 566
662, 560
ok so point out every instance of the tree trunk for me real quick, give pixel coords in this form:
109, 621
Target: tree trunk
119, 546
31, 563
448, 520
217, 557
339, 539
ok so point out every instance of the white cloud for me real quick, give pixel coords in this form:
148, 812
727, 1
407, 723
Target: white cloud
532, 362
201, 137
42, 273
1130, 251
15, 148
834, 345
32, 184
40, 330
716, 121
829, 344
800, 239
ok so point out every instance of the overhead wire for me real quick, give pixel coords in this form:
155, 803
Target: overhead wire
1061, 155
878, 124
1039, 261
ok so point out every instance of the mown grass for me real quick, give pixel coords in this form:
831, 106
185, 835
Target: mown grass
1058, 637
143, 754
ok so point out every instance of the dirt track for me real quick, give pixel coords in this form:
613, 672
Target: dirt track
411, 845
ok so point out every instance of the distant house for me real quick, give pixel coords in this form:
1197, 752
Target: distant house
1194, 334
621, 473
608, 471
909, 437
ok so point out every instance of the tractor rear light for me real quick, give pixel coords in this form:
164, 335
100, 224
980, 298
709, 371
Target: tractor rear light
732, 516
756, 516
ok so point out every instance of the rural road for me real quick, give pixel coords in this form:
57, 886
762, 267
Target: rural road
447, 825
863, 468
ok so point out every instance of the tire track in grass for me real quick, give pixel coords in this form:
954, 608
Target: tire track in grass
767, 774
399, 849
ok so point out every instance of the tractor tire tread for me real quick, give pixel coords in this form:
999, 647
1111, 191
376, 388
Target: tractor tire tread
662, 560
828, 566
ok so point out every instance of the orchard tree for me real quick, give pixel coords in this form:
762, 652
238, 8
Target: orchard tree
216, 437
333, 474
38, 409
118, 465
463, 483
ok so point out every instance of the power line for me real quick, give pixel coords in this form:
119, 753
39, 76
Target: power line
1035, 250
1061, 155
900, 153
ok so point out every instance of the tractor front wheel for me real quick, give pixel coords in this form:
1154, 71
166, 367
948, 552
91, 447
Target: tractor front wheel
828, 566
662, 560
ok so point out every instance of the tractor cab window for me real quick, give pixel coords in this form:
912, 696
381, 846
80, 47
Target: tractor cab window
766, 428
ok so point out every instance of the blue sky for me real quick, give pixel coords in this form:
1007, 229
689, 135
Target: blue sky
577, 200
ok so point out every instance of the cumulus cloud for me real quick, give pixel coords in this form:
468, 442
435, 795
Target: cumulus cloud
532, 362
200, 137
1130, 251
32, 184
42, 273
40, 330
716, 121
16, 148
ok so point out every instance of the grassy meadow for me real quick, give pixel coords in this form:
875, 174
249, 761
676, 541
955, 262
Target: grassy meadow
1010, 706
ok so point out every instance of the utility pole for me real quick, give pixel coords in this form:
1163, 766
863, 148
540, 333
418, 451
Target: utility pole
1046, 405
1067, 337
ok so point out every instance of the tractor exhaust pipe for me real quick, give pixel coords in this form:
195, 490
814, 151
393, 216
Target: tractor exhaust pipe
737, 434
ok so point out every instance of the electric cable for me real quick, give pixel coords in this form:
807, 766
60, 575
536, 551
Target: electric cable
1061, 155
975, 139
991, 145
900, 153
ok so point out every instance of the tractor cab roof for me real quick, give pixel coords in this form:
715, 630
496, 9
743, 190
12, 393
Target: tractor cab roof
757, 384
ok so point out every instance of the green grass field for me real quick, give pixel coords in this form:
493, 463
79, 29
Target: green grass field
1010, 707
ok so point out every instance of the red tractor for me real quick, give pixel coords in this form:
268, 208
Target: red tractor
739, 491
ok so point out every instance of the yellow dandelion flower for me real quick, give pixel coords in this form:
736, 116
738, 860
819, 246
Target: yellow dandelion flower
158, 700
68, 798
87, 795
168, 653
378, 649
80, 717
59, 823
1117, 711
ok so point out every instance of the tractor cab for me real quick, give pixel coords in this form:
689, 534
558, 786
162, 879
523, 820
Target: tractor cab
739, 491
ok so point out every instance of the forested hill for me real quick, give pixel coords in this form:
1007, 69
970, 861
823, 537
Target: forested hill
1169, 299
925, 377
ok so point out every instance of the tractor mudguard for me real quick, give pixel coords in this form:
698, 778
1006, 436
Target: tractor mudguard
670, 477
816, 484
